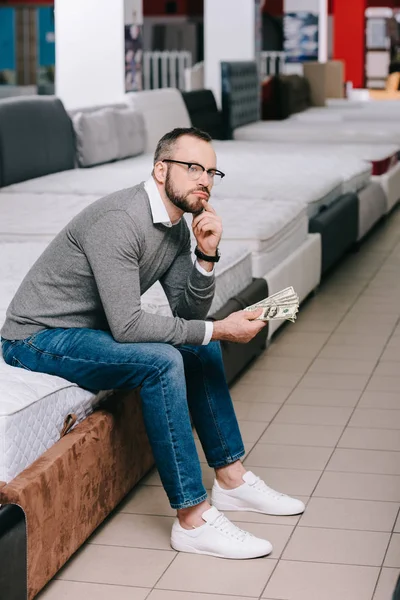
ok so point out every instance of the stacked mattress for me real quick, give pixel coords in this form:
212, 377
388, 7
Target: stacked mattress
332, 132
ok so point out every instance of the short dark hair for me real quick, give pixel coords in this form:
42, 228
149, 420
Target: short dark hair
168, 141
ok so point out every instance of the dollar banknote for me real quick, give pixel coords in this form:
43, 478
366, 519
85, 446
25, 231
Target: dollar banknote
282, 305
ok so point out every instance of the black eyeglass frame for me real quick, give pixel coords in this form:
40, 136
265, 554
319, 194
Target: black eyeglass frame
209, 172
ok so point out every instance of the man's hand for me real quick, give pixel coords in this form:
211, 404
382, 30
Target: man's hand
239, 327
207, 229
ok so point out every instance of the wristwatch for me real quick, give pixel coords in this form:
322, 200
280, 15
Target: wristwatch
206, 257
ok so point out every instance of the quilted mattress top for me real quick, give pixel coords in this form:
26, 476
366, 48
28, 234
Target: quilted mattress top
20, 388
327, 132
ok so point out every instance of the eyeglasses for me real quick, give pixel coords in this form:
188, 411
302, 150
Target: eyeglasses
195, 171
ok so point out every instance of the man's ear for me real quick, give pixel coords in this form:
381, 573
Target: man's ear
160, 172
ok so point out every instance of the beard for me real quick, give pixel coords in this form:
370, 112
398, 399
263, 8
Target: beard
182, 201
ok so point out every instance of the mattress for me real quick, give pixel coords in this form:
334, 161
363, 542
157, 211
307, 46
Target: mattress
329, 132
233, 275
372, 207
33, 409
390, 183
275, 177
368, 111
270, 230
30, 217
100, 181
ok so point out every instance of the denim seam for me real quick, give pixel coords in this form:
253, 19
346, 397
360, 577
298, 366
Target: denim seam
167, 414
222, 440
233, 459
190, 503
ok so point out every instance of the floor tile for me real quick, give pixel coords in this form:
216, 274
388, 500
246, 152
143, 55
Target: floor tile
313, 415
321, 397
333, 513
379, 462
287, 365
195, 573
291, 457
302, 435
293, 482
293, 336
271, 378
376, 418
278, 535
390, 368
174, 595
113, 565
363, 548
135, 531
147, 500
313, 581
386, 584
331, 351
355, 339
380, 383
65, 590
393, 554
359, 486
294, 350
333, 382
252, 430
382, 400
370, 439
397, 526
260, 393
342, 366
256, 411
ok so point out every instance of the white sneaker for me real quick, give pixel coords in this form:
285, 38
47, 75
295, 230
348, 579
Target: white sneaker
218, 537
255, 496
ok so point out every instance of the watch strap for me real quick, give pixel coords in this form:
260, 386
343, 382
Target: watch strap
206, 257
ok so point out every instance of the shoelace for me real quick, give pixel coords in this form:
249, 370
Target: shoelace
228, 528
261, 486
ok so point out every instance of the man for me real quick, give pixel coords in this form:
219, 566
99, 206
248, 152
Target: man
77, 315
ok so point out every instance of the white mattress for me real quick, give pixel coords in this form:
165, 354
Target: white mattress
98, 181
328, 132
275, 176
33, 408
30, 217
271, 230
372, 206
367, 111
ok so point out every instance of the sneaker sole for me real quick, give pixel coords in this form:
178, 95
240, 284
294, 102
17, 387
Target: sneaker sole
192, 550
232, 508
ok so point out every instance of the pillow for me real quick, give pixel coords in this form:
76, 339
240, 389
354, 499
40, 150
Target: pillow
96, 138
130, 132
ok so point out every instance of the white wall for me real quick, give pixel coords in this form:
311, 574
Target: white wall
229, 34
89, 52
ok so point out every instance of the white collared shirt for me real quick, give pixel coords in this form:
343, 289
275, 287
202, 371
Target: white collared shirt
160, 215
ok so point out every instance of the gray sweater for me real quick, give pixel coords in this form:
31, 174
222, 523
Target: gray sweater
94, 272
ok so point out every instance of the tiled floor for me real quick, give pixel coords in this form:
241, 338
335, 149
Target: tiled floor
320, 415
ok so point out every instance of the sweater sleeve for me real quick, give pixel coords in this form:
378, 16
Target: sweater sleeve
189, 292
112, 248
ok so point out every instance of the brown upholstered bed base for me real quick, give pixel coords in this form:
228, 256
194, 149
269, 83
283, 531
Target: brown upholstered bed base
72, 487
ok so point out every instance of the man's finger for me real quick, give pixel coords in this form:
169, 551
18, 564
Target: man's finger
205, 215
250, 315
207, 206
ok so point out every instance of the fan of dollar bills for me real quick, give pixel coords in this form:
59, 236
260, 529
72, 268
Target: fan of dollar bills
282, 305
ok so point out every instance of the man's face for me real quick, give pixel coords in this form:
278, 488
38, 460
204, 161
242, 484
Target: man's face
183, 192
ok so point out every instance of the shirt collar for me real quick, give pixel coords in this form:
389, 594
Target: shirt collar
157, 206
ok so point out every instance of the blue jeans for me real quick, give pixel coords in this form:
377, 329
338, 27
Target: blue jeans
173, 381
